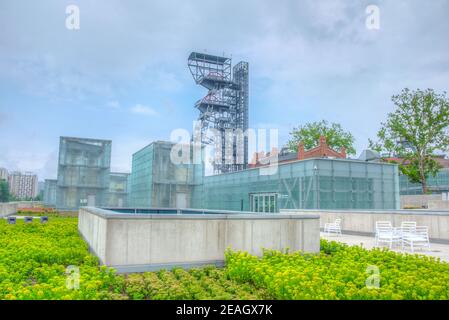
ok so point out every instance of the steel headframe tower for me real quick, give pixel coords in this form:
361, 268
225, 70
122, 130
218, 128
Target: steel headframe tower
224, 108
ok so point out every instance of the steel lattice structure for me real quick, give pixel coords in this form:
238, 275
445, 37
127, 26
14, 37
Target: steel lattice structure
224, 108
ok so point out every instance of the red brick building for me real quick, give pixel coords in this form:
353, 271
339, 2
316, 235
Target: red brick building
321, 151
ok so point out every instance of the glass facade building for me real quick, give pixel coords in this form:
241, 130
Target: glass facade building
117, 195
83, 172
307, 184
50, 186
157, 182
319, 183
437, 184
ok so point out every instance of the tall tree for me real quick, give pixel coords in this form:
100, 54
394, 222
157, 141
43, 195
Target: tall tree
415, 131
309, 134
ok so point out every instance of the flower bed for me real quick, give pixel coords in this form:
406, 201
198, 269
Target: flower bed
40, 211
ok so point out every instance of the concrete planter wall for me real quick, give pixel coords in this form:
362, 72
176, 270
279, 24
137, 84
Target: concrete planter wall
28, 204
363, 222
438, 205
8, 208
142, 242
418, 200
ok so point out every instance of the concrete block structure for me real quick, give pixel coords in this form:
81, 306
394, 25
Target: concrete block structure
439, 205
8, 208
146, 241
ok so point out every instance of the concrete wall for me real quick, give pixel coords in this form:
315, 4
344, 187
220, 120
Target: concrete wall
8, 208
363, 222
133, 243
29, 204
418, 201
93, 230
438, 205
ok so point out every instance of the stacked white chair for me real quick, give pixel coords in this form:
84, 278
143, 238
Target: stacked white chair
333, 227
418, 238
408, 228
385, 233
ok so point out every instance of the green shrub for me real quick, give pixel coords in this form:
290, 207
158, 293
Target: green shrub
341, 272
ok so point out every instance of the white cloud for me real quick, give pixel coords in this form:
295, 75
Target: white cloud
309, 61
113, 104
144, 110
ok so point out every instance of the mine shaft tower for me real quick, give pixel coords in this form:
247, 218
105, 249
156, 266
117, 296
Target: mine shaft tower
225, 107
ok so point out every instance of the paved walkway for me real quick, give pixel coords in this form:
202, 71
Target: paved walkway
436, 249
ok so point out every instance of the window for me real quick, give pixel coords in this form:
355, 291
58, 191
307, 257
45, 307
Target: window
263, 202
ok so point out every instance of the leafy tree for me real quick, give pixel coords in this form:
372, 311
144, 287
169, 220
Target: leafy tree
417, 129
4, 191
309, 134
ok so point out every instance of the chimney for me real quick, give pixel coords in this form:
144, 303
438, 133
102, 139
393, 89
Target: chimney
300, 151
323, 146
343, 152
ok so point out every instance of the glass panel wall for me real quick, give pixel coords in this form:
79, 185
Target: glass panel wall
307, 184
83, 172
437, 184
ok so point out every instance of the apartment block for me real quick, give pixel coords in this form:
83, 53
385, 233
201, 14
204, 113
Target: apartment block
3, 174
23, 185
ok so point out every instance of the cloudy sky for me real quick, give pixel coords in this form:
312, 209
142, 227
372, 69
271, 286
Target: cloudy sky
123, 74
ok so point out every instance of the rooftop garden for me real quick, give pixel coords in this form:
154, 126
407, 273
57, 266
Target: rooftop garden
51, 261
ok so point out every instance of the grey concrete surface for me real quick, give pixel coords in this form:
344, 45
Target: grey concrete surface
143, 241
438, 205
418, 200
9, 208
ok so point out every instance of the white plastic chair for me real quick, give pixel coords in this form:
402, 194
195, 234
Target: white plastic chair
385, 233
333, 227
408, 227
419, 238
